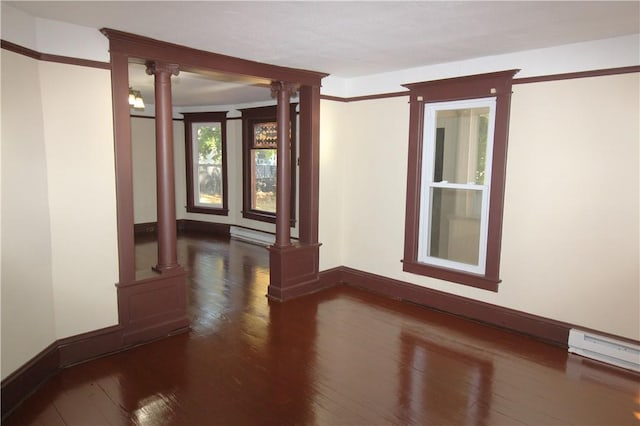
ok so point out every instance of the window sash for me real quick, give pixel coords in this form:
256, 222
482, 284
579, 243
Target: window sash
428, 186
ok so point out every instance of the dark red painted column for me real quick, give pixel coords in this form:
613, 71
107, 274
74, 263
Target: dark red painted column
282, 91
165, 184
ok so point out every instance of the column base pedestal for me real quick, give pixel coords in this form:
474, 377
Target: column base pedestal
153, 307
293, 271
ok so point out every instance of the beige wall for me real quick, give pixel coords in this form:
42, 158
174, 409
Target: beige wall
143, 150
570, 238
59, 254
81, 178
27, 284
334, 130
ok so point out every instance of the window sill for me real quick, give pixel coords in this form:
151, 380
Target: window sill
465, 278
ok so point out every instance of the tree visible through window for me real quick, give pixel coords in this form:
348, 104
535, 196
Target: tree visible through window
206, 165
260, 138
263, 167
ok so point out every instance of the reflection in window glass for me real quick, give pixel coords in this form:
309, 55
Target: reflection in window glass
455, 225
461, 153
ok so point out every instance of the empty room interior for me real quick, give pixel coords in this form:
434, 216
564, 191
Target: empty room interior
332, 213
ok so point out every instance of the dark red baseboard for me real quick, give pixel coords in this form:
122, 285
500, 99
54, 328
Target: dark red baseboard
60, 354
185, 225
546, 329
205, 227
25, 380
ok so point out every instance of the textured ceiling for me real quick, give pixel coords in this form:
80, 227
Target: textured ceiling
349, 39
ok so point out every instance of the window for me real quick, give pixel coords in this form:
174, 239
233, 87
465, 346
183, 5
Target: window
260, 153
205, 139
455, 182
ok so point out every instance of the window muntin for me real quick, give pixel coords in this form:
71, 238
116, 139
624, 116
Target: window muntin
205, 135
458, 147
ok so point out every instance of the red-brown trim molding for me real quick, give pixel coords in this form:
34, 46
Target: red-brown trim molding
60, 354
12, 47
545, 329
522, 80
581, 74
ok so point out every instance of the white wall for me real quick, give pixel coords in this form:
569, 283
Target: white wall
27, 284
81, 179
59, 253
334, 128
571, 232
571, 227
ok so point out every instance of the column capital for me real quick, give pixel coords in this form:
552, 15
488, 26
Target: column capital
280, 86
156, 67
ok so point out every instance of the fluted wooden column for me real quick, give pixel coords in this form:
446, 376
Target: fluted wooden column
282, 91
165, 184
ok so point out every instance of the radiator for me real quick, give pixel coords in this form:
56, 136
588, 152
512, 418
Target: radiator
616, 352
251, 236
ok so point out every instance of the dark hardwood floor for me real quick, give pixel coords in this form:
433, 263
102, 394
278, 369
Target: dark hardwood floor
338, 357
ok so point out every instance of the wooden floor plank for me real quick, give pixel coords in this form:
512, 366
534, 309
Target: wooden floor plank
339, 357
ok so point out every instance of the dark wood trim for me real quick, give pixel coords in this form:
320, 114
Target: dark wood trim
293, 271
152, 117
365, 97
205, 117
123, 167
498, 85
552, 331
165, 169
27, 379
188, 225
331, 277
153, 307
522, 80
546, 329
145, 228
21, 50
62, 353
478, 281
195, 60
309, 167
582, 74
87, 346
7, 45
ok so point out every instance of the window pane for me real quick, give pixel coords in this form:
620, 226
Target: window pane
455, 224
461, 145
263, 180
265, 135
208, 157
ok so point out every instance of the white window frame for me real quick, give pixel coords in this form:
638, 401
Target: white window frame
428, 184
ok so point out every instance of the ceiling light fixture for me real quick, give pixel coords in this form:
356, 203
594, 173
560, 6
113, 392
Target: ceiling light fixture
135, 99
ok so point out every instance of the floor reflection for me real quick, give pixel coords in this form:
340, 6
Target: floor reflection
342, 356
436, 380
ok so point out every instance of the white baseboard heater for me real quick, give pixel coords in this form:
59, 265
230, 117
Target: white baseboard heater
605, 349
252, 236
